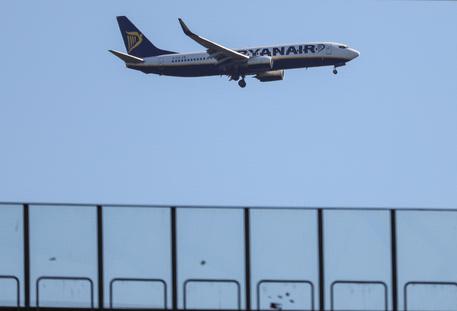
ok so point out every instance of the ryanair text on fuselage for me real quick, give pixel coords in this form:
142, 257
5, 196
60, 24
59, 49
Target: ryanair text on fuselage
265, 63
282, 51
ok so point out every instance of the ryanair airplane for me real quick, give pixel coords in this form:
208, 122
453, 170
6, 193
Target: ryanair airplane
264, 63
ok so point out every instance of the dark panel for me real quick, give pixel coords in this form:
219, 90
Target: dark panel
247, 257
100, 256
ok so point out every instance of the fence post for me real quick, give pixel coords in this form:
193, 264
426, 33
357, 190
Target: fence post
320, 230
101, 287
393, 245
26, 224
247, 257
174, 260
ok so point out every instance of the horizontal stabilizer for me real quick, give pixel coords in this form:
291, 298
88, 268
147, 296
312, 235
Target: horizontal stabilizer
129, 59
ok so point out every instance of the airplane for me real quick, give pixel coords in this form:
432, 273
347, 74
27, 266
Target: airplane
266, 63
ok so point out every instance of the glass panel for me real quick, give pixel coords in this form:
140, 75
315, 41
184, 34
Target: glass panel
210, 248
140, 293
280, 295
11, 254
359, 296
137, 247
65, 292
427, 252
9, 291
431, 297
212, 295
357, 248
63, 243
284, 258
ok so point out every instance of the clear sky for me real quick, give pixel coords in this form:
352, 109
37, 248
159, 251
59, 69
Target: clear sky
76, 126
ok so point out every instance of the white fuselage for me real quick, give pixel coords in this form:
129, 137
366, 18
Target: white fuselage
262, 59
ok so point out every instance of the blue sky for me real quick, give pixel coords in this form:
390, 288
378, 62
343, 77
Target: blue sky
76, 126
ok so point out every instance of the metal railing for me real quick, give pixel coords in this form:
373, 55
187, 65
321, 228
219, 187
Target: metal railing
321, 286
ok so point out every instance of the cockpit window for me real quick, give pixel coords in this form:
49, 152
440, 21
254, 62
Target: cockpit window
342, 47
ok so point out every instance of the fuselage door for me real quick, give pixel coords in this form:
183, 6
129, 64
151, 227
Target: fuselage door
160, 62
328, 49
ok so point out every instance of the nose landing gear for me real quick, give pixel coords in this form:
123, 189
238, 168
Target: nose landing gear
335, 71
242, 83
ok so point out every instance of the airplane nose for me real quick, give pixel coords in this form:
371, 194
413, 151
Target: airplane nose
354, 53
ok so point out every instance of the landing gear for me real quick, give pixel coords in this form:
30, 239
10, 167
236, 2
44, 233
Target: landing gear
240, 79
336, 66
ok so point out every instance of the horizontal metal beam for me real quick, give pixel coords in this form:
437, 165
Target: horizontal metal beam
313, 208
86, 309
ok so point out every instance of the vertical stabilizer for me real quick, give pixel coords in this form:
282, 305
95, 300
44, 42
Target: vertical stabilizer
135, 42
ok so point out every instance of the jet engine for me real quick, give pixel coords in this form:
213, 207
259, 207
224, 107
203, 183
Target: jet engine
260, 63
273, 75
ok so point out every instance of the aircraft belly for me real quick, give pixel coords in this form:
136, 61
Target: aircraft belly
191, 71
213, 70
179, 71
290, 63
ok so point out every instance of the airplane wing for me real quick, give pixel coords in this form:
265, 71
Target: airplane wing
222, 53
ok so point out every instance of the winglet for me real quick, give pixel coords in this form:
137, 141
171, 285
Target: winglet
185, 28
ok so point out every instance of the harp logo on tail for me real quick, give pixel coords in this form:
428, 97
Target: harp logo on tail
134, 39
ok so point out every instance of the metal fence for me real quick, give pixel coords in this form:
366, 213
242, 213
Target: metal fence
71, 256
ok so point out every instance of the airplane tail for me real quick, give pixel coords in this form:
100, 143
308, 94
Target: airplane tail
135, 42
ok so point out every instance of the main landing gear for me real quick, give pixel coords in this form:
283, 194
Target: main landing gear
240, 79
335, 72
